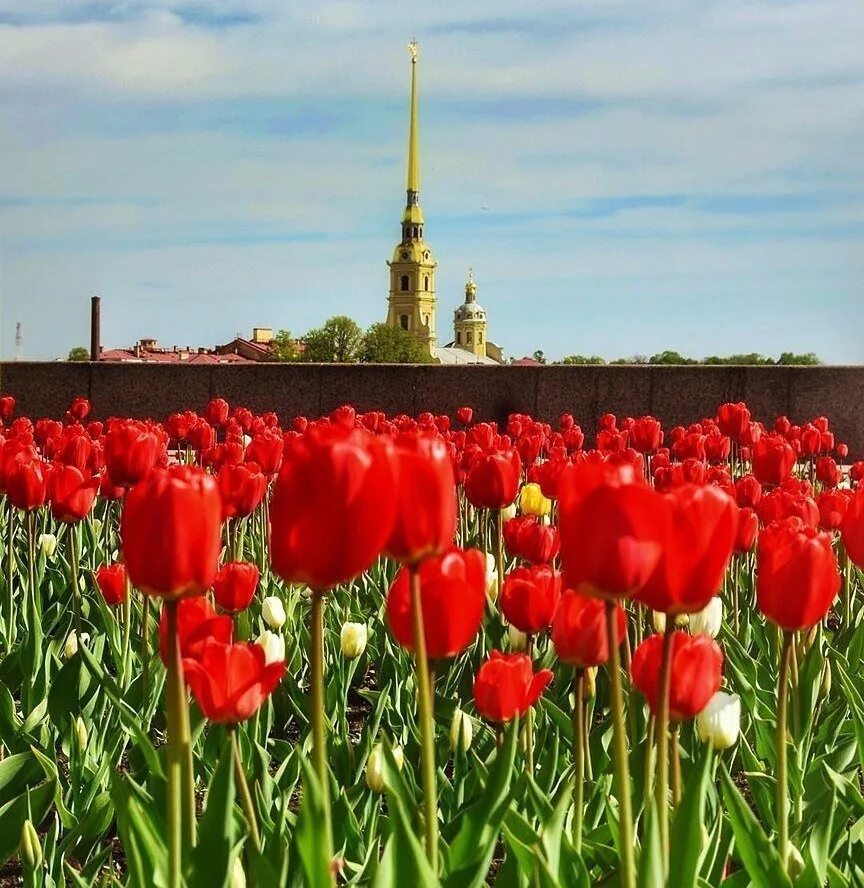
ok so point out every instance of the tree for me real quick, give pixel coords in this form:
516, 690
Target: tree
284, 347
539, 357
583, 359
670, 357
79, 353
383, 344
337, 342
807, 360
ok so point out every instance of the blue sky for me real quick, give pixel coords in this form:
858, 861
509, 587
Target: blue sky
623, 177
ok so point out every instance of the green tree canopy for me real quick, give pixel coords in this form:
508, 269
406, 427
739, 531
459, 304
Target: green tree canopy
808, 360
583, 359
284, 347
338, 342
79, 353
392, 345
670, 357
539, 356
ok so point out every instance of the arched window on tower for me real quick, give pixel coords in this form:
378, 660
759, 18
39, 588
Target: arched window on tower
468, 337
404, 284
459, 337
403, 321
480, 339
426, 282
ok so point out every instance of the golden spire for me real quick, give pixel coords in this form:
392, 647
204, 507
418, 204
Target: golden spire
413, 134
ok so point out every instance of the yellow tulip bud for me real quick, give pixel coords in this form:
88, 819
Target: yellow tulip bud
47, 543
29, 849
81, 734
352, 640
532, 501
375, 766
461, 731
518, 640
273, 612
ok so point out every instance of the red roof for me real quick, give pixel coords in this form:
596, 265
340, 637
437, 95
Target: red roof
128, 355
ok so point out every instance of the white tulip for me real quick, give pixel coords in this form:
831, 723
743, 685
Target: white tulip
238, 877
658, 621
274, 646
70, 648
81, 733
709, 620
96, 524
491, 577
461, 731
508, 512
47, 544
720, 721
352, 640
273, 612
375, 766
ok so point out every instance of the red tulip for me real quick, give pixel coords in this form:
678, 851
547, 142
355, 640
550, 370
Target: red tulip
612, 527
426, 507
852, 527
748, 527
131, 451
465, 415
796, 574
697, 551
333, 507
241, 487
26, 481
513, 530
832, 507
506, 686
70, 493
197, 622
773, 459
231, 681
748, 491
694, 678
734, 420
529, 597
7, 407
579, 630
171, 532
111, 580
647, 434
827, 471
452, 599
266, 450
493, 479
216, 412
78, 410
234, 585
540, 542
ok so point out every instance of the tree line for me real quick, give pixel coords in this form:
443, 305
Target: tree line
808, 359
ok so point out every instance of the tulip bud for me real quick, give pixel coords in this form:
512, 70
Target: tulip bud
658, 621
96, 524
491, 578
29, 849
375, 766
518, 640
590, 683
532, 501
274, 646
708, 620
81, 734
720, 721
47, 544
461, 731
238, 877
70, 648
273, 612
352, 640
825, 688
795, 863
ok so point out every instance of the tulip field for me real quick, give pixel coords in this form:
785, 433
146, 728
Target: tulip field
375, 650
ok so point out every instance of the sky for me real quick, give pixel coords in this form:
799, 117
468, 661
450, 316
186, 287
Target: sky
623, 177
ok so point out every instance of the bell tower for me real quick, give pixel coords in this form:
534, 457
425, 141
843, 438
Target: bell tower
411, 303
469, 322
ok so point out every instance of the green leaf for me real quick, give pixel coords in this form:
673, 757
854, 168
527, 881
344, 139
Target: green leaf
141, 831
403, 861
17, 772
820, 837
650, 868
217, 830
310, 836
686, 834
758, 855
477, 827
32, 804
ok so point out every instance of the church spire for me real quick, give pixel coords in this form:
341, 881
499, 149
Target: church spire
412, 206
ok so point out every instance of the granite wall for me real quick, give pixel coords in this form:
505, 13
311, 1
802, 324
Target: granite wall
673, 394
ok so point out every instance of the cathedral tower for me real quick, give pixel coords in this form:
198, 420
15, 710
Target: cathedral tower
469, 322
411, 303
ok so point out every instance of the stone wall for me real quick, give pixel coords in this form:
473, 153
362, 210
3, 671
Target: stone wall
673, 394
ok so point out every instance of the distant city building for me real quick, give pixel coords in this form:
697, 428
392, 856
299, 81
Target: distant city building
239, 351
411, 302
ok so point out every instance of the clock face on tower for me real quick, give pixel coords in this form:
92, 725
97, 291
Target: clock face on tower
404, 254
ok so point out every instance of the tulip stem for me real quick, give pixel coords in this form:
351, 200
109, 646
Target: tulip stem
529, 715
427, 736
176, 699
145, 646
499, 553
73, 568
782, 769
245, 795
661, 788
676, 766
127, 633
10, 571
622, 768
578, 756
319, 732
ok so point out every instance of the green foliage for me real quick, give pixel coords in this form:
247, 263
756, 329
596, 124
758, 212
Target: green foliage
583, 359
339, 341
79, 353
284, 347
384, 344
